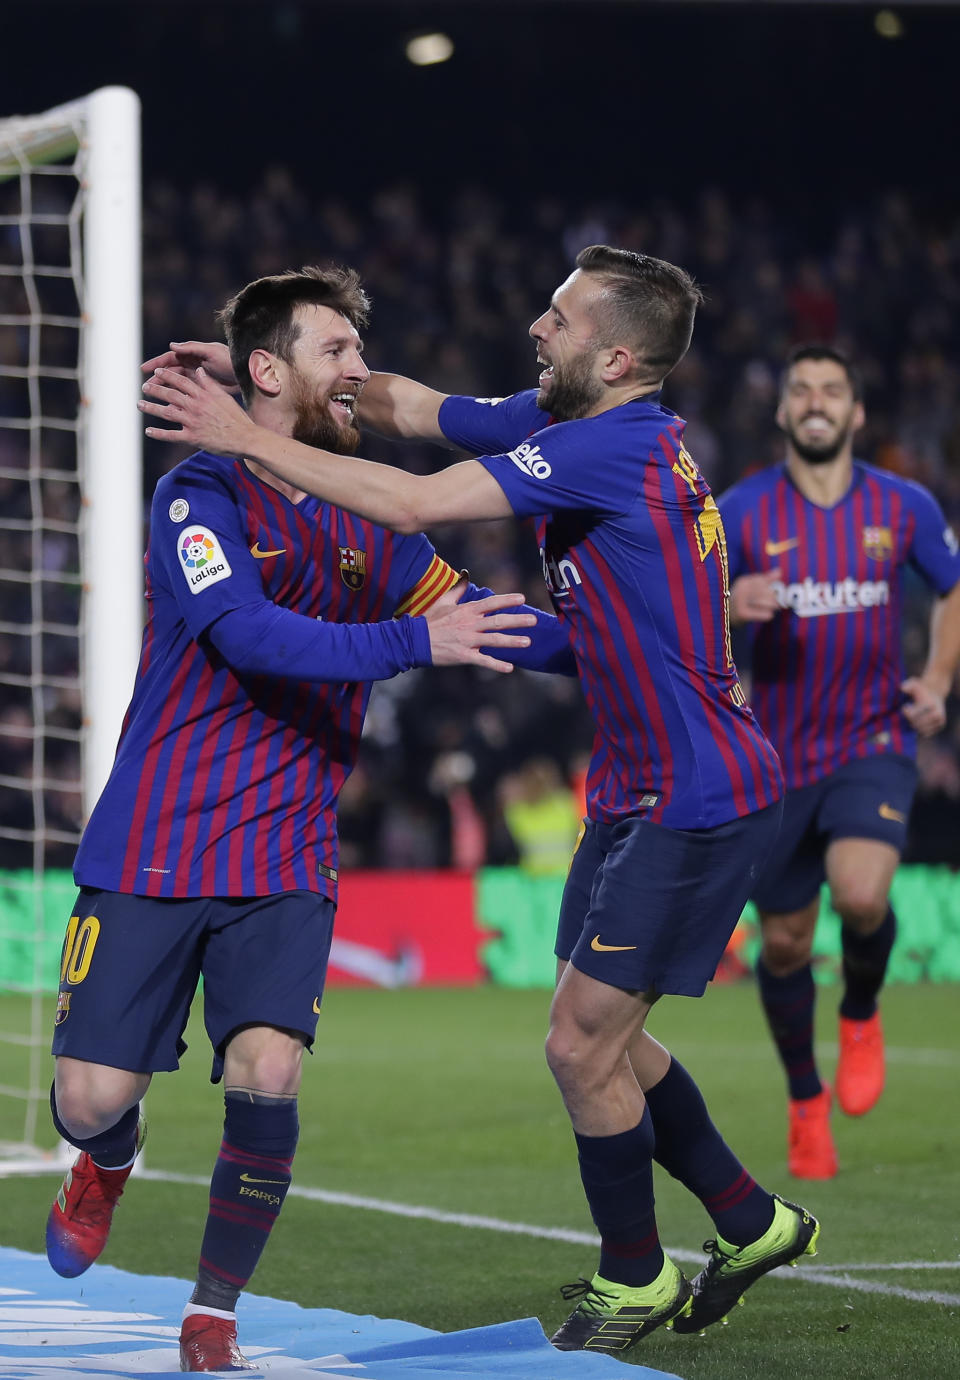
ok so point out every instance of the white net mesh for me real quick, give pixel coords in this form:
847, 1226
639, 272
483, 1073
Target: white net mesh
41, 802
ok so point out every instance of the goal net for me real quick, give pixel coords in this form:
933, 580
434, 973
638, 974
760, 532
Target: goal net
70, 543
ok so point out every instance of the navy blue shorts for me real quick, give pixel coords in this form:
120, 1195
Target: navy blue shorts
866, 799
648, 908
131, 965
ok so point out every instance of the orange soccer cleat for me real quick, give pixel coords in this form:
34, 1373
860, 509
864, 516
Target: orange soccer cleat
210, 1343
860, 1070
811, 1153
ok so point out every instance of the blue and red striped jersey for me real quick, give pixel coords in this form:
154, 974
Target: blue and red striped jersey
225, 784
827, 668
634, 557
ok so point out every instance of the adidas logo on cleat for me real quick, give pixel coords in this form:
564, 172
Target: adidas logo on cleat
612, 1317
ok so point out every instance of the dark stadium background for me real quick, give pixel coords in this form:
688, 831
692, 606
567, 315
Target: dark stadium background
804, 101
802, 165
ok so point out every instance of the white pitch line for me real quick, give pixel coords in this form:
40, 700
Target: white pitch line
812, 1274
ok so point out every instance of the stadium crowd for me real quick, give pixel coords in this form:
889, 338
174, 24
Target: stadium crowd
448, 758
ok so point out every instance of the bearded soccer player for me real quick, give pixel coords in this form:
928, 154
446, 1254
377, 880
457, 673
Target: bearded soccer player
213, 849
684, 790
818, 549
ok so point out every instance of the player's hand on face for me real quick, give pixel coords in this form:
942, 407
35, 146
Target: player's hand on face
197, 410
459, 633
187, 356
927, 711
753, 598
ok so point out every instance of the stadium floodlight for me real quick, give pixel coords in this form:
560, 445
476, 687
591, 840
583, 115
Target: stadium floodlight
71, 531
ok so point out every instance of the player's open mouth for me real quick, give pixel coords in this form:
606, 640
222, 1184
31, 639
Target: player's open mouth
546, 375
819, 426
344, 404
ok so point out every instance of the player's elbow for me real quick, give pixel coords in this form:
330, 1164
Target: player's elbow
407, 521
414, 508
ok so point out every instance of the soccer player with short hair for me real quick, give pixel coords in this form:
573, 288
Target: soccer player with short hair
818, 549
212, 849
684, 790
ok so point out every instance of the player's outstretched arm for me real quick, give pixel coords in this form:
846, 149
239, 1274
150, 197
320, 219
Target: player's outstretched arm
926, 711
202, 414
402, 408
265, 639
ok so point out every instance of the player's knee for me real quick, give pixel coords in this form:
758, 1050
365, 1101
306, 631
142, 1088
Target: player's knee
85, 1111
784, 951
572, 1058
270, 1065
859, 904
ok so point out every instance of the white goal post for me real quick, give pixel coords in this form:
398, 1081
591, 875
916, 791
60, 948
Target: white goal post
71, 536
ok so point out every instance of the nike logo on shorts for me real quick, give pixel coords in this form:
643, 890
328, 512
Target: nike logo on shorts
599, 948
888, 812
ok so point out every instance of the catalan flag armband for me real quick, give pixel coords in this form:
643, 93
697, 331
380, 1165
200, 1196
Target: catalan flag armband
436, 580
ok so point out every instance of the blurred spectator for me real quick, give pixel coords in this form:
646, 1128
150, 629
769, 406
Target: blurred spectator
542, 815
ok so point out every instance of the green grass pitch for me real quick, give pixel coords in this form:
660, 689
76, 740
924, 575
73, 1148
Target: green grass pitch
440, 1100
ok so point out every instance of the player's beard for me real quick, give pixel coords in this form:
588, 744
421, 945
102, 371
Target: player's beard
314, 425
820, 452
573, 389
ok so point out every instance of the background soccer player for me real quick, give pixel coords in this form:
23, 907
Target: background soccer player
683, 791
213, 846
820, 545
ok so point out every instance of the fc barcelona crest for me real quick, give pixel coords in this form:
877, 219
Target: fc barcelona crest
353, 567
878, 543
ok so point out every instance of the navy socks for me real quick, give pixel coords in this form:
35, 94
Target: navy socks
865, 959
690, 1147
788, 1003
249, 1183
617, 1174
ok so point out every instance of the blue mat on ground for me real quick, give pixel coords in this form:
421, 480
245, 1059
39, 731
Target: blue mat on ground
96, 1328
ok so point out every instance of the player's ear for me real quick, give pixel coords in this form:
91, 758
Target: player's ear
781, 416
859, 416
617, 362
263, 372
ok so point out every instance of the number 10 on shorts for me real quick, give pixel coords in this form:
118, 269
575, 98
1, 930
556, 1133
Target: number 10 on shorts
78, 947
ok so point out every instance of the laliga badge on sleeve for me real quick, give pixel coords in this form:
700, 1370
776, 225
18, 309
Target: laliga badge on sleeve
201, 558
179, 510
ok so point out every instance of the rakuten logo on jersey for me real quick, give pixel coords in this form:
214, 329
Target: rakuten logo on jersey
559, 576
528, 458
813, 598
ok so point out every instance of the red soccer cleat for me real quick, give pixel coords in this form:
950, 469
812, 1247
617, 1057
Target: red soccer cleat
860, 1070
210, 1343
811, 1153
79, 1221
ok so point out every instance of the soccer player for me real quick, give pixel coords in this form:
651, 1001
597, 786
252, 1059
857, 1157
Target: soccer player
683, 793
818, 548
212, 849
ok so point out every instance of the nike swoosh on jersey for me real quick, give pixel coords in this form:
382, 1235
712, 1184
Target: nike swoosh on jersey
599, 948
249, 1179
888, 812
776, 548
259, 555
